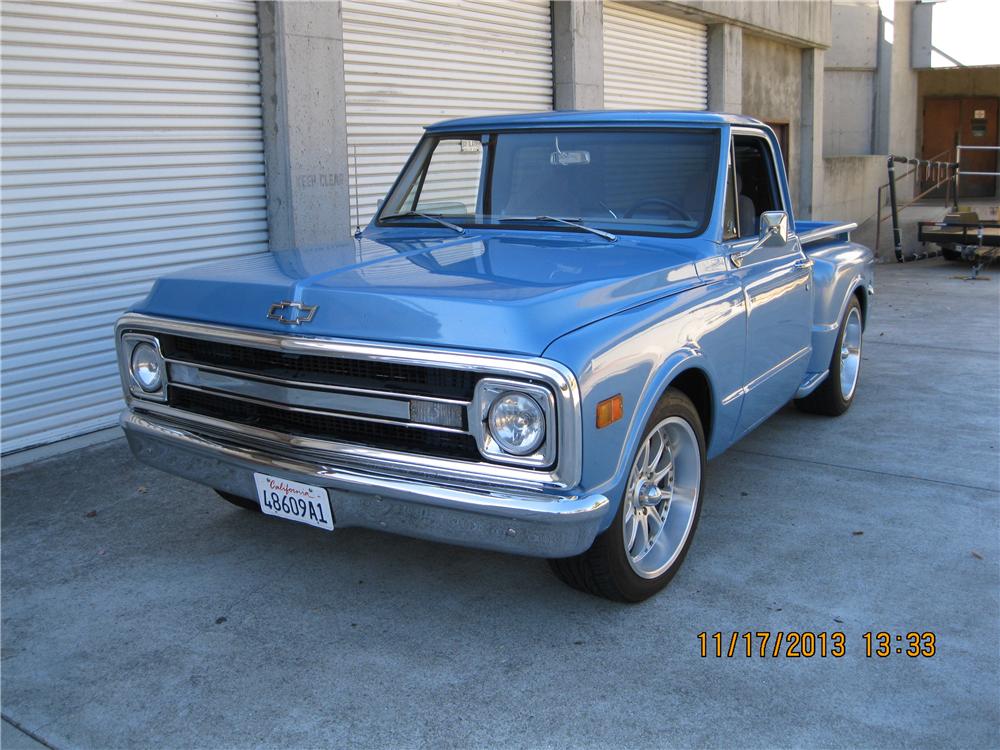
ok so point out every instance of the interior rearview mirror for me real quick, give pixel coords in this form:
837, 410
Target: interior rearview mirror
569, 158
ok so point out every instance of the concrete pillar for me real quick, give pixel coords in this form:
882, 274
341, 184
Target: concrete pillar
305, 126
883, 87
810, 193
725, 68
578, 54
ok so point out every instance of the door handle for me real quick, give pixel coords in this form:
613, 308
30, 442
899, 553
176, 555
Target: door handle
802, 264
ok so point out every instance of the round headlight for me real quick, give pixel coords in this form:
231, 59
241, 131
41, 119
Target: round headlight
147, 367
517, 423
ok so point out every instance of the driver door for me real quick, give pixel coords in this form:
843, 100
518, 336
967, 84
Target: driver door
777, 287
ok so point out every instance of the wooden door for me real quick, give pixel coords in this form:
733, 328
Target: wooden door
941, 120
978, 128
971, 121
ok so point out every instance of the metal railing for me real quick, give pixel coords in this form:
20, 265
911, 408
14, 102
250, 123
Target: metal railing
942, 172
960, 172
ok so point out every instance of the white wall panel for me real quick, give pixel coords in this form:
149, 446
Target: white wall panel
653, 61
132, 146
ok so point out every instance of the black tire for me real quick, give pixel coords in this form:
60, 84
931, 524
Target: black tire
828, 399
604, 569
242, 502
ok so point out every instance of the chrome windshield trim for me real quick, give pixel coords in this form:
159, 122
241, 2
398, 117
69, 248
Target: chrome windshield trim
569, 425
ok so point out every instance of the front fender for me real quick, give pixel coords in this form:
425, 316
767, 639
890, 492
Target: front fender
638, 353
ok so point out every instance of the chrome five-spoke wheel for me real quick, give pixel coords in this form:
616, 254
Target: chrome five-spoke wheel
659, 503
652, 530
850, 353
836, 393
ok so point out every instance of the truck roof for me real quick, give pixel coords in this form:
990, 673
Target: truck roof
593, 117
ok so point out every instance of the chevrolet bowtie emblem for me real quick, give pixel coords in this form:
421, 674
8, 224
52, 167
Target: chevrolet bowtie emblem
291, 313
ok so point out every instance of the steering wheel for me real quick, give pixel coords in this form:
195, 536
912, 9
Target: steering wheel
670, 205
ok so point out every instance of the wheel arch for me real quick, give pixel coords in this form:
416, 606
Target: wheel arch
862, 296
694, 383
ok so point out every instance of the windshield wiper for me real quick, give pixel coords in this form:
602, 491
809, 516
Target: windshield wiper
578, 223
431, 217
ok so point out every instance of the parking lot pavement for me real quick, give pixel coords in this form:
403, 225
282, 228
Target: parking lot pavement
140, 611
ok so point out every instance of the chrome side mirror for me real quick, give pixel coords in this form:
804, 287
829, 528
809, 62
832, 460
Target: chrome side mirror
773, 233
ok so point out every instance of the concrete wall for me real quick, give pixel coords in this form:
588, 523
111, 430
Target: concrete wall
851, 187
854, 44
772, 91
896, 95
852, 184
577, 55
903, 105
803, 23
959, 82
849, 89
871, 108
849, 106
305, 125
725, 68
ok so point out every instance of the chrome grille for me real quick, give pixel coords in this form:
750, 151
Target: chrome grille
359, 373
395, 409
325, 426
384, 405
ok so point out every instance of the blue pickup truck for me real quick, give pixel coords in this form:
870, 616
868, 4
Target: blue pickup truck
549, 326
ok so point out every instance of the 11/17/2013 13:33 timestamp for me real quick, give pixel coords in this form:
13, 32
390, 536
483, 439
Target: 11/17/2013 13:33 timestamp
798, 644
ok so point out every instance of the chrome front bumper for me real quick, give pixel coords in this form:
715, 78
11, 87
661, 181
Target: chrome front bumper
541, 525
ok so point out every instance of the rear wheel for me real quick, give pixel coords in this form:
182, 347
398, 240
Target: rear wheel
651, 533
836, 394
241, 502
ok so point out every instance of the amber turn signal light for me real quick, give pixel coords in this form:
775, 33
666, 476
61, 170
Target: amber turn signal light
609, 411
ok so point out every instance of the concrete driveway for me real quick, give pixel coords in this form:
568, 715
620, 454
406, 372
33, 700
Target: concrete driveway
140, 611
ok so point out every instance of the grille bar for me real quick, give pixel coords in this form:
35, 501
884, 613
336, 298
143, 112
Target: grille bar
389, 377
325, 426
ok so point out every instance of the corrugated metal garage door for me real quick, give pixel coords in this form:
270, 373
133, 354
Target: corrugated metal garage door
653, 61
131, 147
408, 65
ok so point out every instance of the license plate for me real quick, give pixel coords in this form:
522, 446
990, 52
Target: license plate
294, 500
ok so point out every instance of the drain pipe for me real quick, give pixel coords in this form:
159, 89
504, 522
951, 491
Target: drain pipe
897, 235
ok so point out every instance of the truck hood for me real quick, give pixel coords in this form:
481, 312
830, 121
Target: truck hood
514, 291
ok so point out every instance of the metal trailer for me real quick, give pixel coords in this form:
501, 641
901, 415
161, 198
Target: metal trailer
962, 236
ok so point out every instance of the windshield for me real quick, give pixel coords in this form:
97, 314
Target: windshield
652, 181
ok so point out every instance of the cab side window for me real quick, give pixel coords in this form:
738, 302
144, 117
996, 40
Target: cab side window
756, 183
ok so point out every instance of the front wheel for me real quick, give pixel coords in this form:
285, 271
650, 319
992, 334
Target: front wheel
651, 533
836, 394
